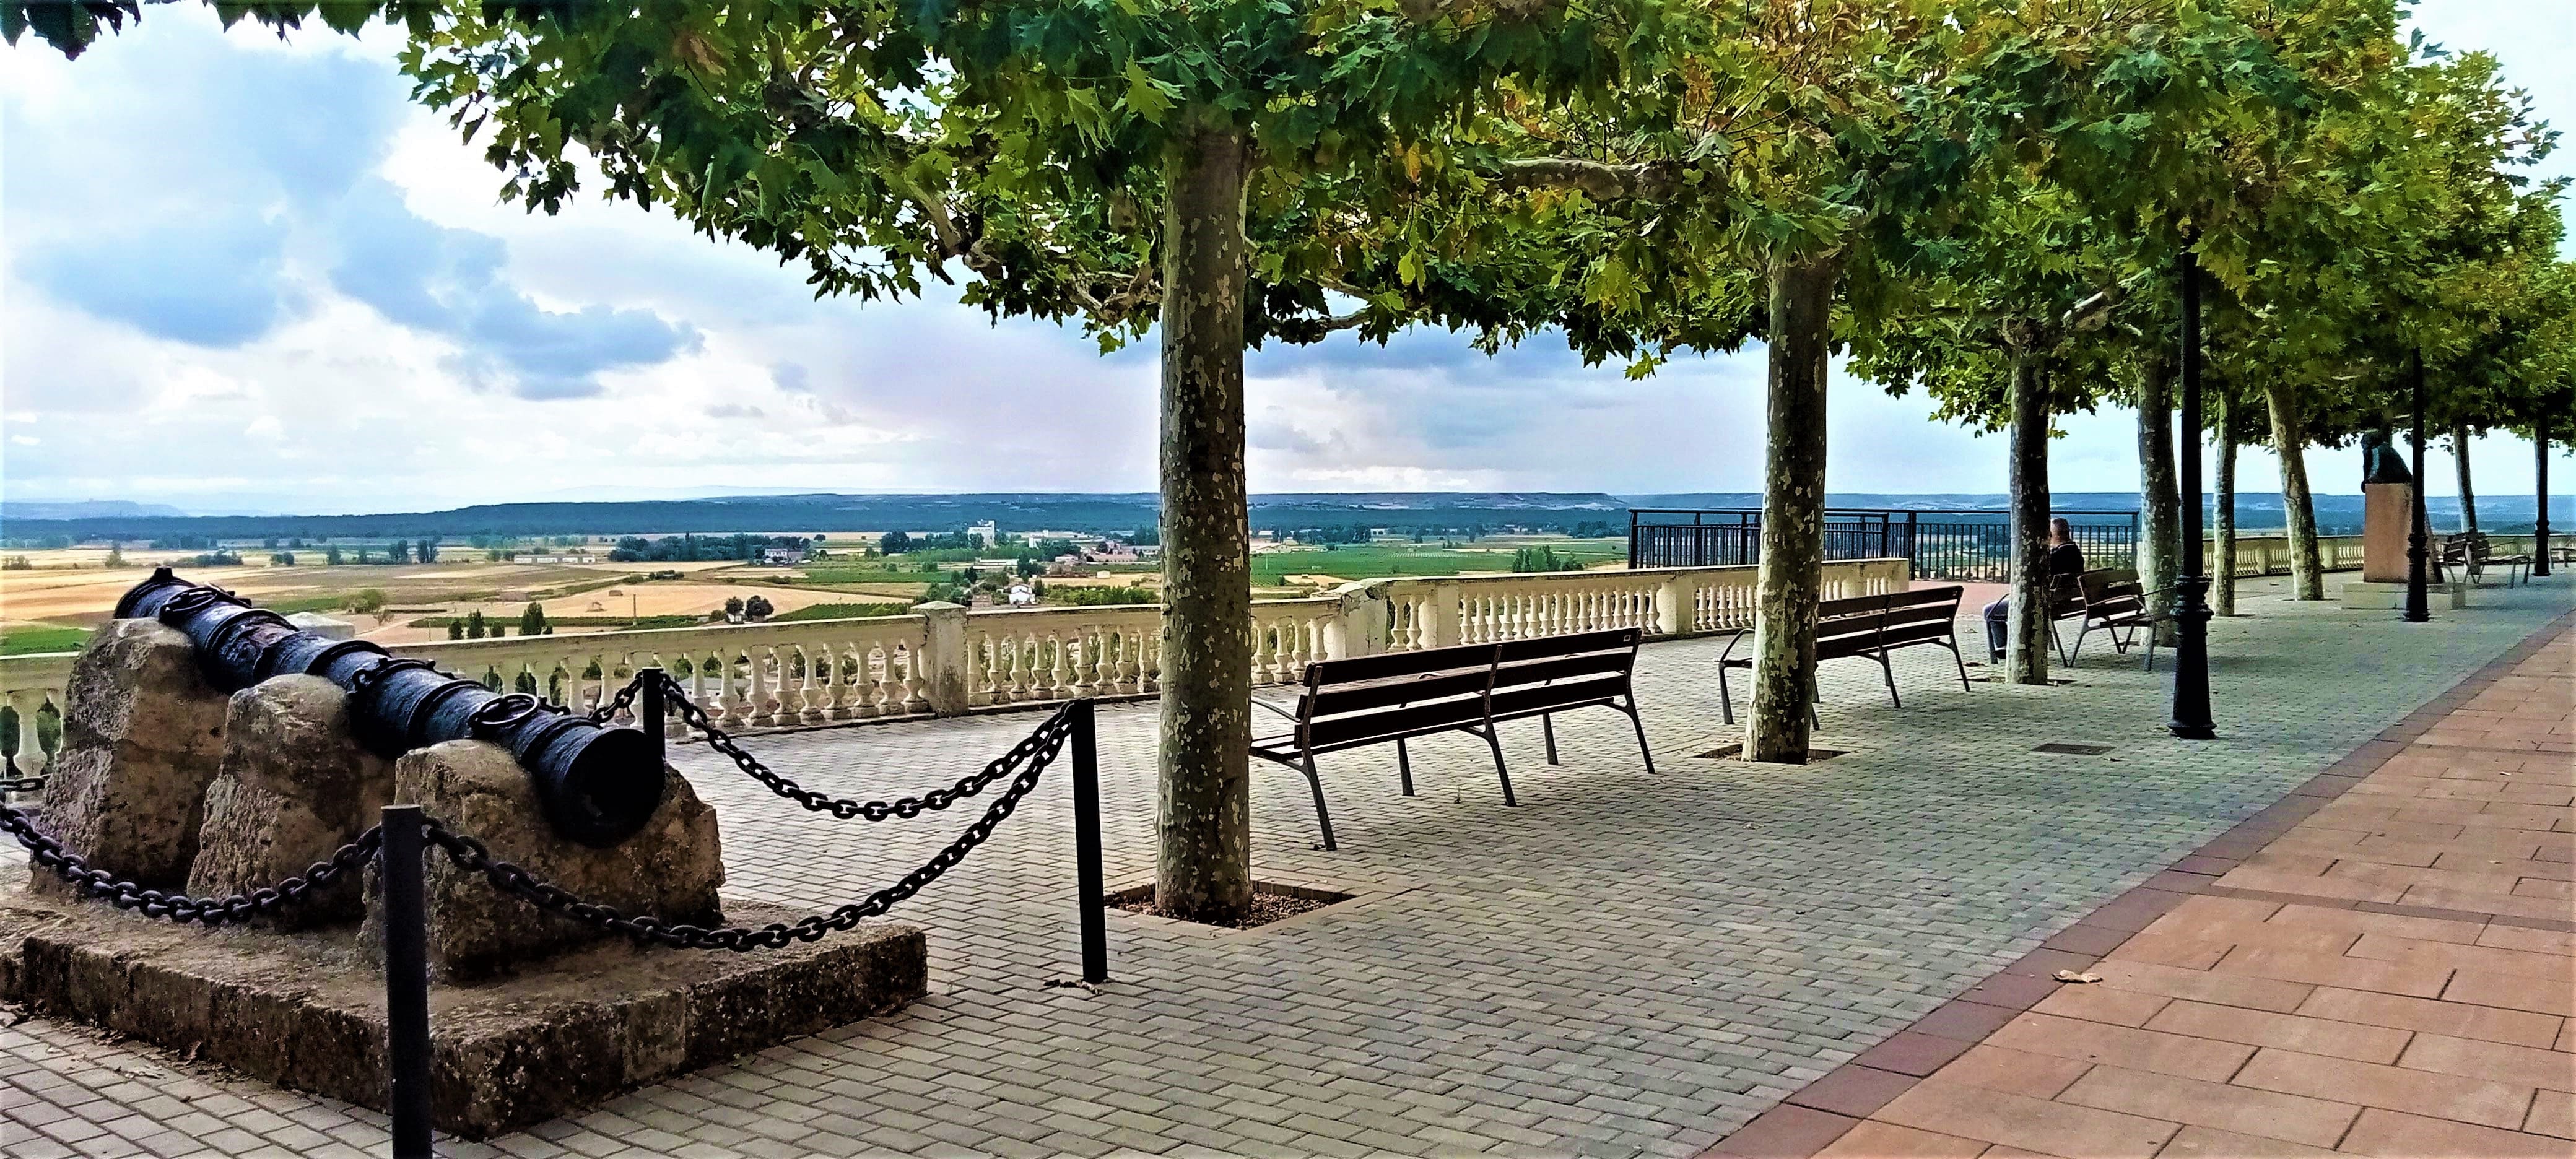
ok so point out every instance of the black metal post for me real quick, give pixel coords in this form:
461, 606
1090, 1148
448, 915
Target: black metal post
2540, 496
651, 711
2191, 716
1086, 843
406, 902
2419, 608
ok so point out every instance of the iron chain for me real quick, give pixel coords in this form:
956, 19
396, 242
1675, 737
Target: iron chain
607, 712
21, 785
212, 911
1049, 736
1029, 758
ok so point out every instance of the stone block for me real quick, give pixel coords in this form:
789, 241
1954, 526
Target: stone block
670, 869
294, 786
306, 1010
142, 738
2387, 517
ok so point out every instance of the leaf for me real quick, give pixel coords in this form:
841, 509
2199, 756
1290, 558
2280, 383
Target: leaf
1145, 95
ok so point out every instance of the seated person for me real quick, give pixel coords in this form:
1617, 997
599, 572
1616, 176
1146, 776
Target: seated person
2065, 560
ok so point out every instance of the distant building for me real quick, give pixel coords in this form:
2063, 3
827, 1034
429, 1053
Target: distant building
987, 533
782, 556
570, 556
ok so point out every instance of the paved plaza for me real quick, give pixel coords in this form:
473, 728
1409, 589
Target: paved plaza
1626, 964
2383, 964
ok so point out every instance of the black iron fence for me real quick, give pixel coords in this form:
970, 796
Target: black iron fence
1964, 545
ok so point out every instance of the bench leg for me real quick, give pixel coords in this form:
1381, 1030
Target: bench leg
1404, 766
1725, 703
1962, 662
2151, 648
1323, 819
1889, 671
1547, 725
1640, 724
2060, 641
1496, 742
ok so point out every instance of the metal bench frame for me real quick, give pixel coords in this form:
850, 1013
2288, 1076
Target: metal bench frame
1472, 688
1869, 628
2116, 606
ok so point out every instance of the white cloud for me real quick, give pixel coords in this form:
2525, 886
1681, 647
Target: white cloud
216, 305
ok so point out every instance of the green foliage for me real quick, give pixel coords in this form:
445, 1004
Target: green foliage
364, 601
839, 612
532, 622
756, 609
1084, 597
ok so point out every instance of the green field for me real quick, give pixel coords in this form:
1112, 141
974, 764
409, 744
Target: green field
1385, 559
22, 639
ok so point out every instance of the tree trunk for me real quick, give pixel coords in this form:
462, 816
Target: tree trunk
2468, 494
2290, 439
2026, 647
1204, 812
2159, 502
1793, 511
2222, 516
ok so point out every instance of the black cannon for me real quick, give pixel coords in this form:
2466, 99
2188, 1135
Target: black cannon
597, 785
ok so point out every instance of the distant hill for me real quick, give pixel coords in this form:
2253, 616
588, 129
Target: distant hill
1401, 511
1097, 513
87, 509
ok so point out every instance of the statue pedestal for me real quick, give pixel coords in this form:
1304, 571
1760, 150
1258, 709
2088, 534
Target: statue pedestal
2387, 516
2370, 595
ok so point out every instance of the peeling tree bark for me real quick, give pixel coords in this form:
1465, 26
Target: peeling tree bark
1793, 511
2468, 494
2290, 439
2026, 650
2159, 502
1204, 810
2222, 516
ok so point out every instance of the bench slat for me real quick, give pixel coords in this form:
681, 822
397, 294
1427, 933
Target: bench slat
1353, 669
1343, 699
1389, 724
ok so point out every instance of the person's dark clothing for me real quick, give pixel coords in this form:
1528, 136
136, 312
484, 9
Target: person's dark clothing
2064, 560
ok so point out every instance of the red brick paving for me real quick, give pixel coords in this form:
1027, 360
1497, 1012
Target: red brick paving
2383, 963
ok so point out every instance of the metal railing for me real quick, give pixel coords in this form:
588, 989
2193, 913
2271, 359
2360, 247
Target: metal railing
1939, 544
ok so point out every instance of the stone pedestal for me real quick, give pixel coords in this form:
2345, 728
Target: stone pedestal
2362, 594
307, 1010
2387, 517
142, 736
669, 869
294, 785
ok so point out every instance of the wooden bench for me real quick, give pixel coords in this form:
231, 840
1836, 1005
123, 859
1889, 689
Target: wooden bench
1369, 700
1868, 628
2116, 606
2473, 553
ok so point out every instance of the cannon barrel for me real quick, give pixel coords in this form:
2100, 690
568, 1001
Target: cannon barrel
596, 785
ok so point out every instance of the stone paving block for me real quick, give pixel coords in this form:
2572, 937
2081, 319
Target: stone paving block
1719, 928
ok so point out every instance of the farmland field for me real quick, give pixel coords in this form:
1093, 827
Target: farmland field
1384, 559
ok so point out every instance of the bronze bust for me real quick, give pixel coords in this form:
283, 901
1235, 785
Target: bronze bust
2380, 462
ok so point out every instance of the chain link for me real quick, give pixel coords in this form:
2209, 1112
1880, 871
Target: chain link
844, 808
1030, 758
212, 911
21, 785
605, 713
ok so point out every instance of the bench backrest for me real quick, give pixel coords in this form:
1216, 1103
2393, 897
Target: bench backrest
1849, 627
1922, 614
1577, 668
1355, 699
2113, 593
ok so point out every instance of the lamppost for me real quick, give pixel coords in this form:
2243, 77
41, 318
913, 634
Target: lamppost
2418, 608
2191, 719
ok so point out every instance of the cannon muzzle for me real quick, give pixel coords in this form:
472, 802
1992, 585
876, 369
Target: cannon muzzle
596, 785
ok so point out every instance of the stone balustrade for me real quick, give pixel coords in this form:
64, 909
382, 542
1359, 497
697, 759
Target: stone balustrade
942, 660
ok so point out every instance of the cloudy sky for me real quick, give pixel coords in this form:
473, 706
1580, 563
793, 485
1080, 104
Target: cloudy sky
239, 275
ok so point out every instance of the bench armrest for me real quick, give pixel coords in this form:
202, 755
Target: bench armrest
1257, 702
1733, 638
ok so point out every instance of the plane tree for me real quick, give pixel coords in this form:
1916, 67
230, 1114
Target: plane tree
1218, 174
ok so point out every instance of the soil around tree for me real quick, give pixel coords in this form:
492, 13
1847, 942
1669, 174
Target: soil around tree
1270, 903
